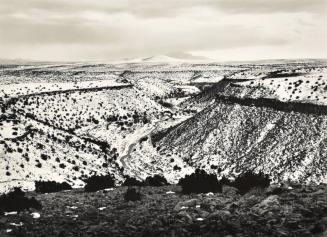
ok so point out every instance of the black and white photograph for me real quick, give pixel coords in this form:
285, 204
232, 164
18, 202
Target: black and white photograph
171, 118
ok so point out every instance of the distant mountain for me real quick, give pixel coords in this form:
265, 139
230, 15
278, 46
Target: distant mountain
176, 57
187, 56
161, 58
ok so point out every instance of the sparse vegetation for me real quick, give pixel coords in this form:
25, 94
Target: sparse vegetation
77, 121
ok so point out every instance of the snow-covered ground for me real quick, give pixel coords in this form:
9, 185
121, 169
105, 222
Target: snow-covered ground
14, 90
305, 88
102, 116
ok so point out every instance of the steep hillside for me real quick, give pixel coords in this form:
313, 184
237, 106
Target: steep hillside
284, 140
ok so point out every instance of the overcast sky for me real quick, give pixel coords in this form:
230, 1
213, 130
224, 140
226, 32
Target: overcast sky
115, 29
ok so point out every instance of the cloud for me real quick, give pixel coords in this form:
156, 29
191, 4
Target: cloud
98, 29
270, 6
150, 8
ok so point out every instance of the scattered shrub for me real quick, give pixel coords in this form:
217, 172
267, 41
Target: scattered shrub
176, 167
50, 186
16, 201
105, 165
95, 183
44, 157
200, 182
250, 180
132, 195
156, 180
131, 181
214, 167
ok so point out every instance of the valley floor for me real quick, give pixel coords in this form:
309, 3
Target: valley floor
165, 211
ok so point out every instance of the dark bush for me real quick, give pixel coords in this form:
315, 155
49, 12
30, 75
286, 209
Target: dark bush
225, 181
131, 181
16, 201
165, 104
214, 167
50, 186
132, 195
200, 182
95, 183
276, 191
44, 157
156, 180
176, 167
250, 180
